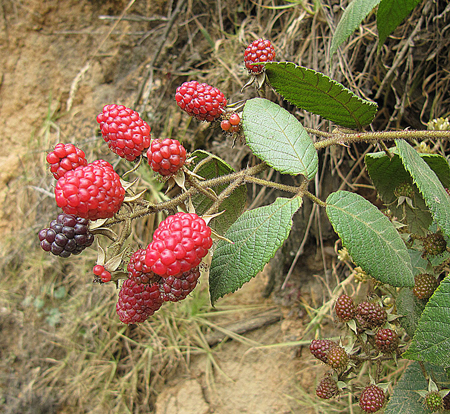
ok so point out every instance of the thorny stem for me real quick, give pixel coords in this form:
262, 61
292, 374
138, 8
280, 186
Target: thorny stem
224, 194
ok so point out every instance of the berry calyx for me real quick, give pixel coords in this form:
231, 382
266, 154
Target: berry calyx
424, 285
386, 340
434, 401
345, 308
327, 388
372, 399
125, 132
166, 156
93, 191
200, 100
175, 289
179, 244
337, 358
320, 348
65, 157
138, 270
138, 301
433, 244
371, 314
102, 273
66, 235
259, 51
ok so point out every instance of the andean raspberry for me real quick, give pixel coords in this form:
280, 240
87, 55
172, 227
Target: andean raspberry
166, 156
434, 401
371, 399
93, 191
175, 289
66, 235
102, 273
138, 270
320, 348
337, 358
371, 314
259, 51
201, 100
345, 308
425, 285
179, 244
125, 132
138, 301
434, 244
65, 157
327, 388
386, 340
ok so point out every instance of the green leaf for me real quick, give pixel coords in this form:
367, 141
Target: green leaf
434, 194
431, 342
278, 138
390, 14
411, 308
389, 173
440, 166
256, 236
233, 205
317, 93
405, 399
370, 238
352, 17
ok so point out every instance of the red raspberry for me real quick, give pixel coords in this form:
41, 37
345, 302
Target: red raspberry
65, 157
371, 314
424, 285
320, 348
386, 340
345, 308
201, 100
179, 244
102, 273
337, 358
327, 388
166, 156
138, 301
67, 235
125, 132
261, 50
371, 399
93, 191
175, 289
138, 270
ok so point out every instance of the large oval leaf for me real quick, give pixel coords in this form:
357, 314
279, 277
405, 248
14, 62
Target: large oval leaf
431, 342
370, 238
278, 138
434, 194
256, 236
317, 93
232, 206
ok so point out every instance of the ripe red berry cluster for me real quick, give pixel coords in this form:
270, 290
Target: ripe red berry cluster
231, 123
166, 156
124, 130
93, 191
259, 51
320, 348
345, 308
370, 315
102, 273
424, 285
66, 235
386, 340
65, 157
200, 100
372, 399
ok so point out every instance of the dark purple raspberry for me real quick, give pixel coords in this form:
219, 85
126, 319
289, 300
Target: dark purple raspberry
201, 100
166, 156
126, 133
320, 348
259, 51
66, 235
179, 244
65, 157
337, 358
386, 340
93, 191
138, 270
345, 308
327, 388
424, 285
371, 399
138, 301
175, 289
371, 314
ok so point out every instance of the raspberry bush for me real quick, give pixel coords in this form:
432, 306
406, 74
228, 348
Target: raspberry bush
388, 246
